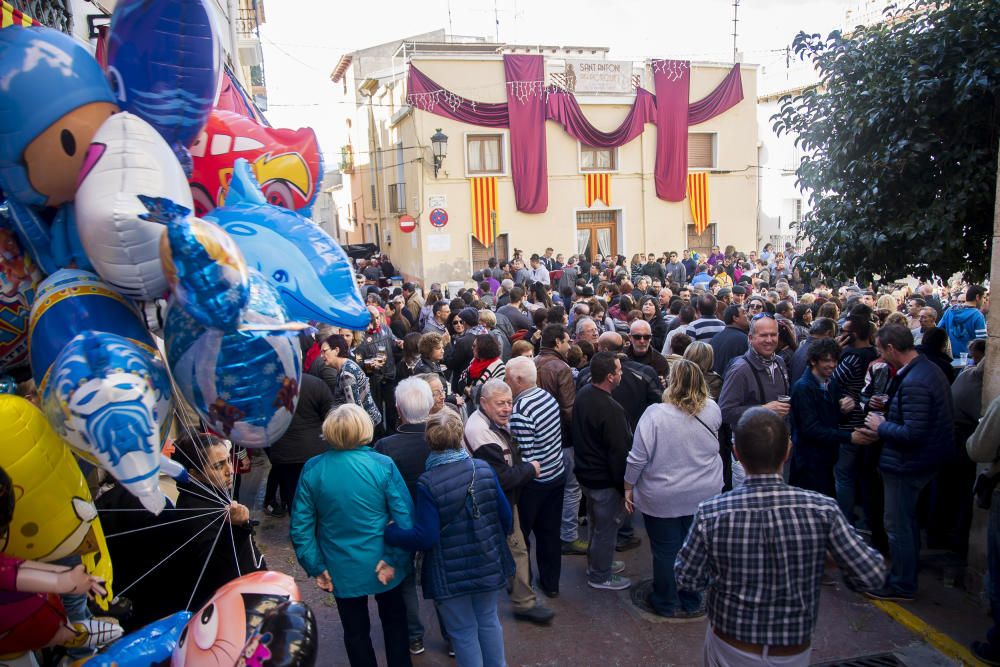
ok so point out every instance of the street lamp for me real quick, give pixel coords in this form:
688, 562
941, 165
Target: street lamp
439, 144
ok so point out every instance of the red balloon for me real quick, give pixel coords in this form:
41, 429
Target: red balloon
286, 163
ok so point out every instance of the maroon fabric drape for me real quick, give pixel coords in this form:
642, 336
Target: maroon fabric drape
525, 76
422, 93
726, 95
672, 79
563, 108
101, 52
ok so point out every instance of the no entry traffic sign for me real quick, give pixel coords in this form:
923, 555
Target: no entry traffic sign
407, 224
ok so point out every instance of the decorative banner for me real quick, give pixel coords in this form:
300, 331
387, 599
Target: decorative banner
599, 76
598, 187
484, 209
697, 192
10, 16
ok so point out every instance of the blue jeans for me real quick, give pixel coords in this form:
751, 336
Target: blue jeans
901, 494
847, 475
666, 536
474, 628
414, 628
569, 530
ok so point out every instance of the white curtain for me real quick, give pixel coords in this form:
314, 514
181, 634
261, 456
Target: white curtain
604, 242
491, 153
582, 241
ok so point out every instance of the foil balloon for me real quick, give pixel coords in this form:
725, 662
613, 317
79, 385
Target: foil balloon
309, 269
126, 158
107, 396
19, 278
152, 644
163, 63
54, 516
70, 302
286, 637
287, 163
243, 383
204, 268
54, 98
218, 631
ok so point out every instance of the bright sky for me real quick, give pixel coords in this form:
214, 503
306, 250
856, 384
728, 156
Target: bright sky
303, 39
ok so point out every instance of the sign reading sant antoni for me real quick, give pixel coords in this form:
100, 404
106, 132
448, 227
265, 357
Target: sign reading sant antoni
599, 76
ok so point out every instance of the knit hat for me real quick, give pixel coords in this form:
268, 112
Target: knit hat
470, 316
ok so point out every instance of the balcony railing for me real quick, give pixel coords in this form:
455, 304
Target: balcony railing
52, 13
247, 22
397, 198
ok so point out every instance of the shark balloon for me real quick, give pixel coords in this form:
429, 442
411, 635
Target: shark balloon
242, 377
310, 270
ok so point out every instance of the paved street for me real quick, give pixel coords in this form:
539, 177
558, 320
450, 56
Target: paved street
604, 628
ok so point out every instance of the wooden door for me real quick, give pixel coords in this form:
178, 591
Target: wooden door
597, 233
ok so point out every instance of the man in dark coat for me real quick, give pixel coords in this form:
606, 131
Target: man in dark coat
917, 434
731, 342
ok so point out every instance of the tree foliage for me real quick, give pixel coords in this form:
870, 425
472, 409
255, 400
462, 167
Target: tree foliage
901, 135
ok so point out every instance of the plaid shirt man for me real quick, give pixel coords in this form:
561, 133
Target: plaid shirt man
760, 551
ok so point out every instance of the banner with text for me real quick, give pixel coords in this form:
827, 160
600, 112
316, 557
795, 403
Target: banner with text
599, 76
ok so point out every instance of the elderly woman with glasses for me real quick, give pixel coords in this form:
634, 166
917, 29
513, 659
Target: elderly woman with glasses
349, 384
346, 498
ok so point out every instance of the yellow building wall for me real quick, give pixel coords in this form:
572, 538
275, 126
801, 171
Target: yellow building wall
647, 224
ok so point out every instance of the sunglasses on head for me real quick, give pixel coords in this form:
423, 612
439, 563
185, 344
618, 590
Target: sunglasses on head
760, 315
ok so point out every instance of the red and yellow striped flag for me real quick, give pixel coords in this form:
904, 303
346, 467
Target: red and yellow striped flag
598, 186
10, 16
484, 209
698, 196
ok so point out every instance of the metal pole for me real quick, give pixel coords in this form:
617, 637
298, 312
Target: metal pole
991, 379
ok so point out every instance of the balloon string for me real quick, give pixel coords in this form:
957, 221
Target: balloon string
165, 523
195, 436
222, 515
140, 509
215, 498
236, 558
204, 565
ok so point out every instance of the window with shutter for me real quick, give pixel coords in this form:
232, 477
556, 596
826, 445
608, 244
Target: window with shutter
701, 150
481, 254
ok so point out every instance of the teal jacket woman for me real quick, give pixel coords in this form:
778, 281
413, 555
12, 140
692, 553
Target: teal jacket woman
345, 499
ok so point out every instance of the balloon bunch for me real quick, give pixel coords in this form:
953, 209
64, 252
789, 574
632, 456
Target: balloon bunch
257, 620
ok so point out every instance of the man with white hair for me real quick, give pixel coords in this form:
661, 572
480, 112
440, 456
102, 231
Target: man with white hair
488, 437
408, 450
586, 329
535, 425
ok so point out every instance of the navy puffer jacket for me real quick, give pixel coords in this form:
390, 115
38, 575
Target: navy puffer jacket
471, 554
918, 434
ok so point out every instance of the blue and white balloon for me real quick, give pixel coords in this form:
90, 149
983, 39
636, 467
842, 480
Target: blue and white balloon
309, 269
109, 398
243, 383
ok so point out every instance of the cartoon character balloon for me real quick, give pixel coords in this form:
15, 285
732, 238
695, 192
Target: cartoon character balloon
218, 631
286, 637
308, 268
54, 516
164, 62
152, 644
126, 158
19, 278
287, 163
54, 98
107, 396
70, 302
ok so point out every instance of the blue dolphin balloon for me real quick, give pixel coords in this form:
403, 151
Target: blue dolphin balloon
108, 396
244, 384
164, 62
310, 270
150, 645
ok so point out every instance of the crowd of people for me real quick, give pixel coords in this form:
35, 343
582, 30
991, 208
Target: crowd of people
726, 402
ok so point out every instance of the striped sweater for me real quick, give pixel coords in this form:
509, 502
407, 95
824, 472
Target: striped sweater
535, 425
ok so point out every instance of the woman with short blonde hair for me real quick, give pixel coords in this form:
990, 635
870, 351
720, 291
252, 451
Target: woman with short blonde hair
674, 465
703, 356
345, 499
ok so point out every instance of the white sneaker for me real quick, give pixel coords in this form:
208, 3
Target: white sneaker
612, 583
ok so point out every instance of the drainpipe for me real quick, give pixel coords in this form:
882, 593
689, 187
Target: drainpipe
232, 8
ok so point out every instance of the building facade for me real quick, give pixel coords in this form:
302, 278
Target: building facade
392, 167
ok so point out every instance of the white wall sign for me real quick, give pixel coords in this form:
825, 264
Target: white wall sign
437, 201
599, 76
439, 243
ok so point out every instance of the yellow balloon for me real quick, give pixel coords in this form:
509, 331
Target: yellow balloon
54, 515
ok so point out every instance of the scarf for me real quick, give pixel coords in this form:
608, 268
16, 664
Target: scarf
770, 365
447, 456
477, 367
